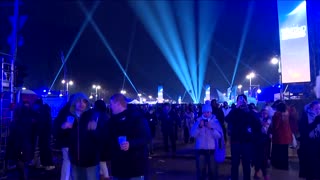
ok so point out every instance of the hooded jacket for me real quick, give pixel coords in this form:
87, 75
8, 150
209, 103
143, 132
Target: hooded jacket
207, 138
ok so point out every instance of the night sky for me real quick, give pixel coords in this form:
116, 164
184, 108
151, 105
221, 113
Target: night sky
52, 27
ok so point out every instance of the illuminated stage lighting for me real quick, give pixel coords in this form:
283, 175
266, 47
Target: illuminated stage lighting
82, 28
243, 39
105, 43
176, 37
161, 32
220, 70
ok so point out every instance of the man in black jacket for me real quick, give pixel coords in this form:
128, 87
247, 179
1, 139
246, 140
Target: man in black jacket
245, 129
127, 135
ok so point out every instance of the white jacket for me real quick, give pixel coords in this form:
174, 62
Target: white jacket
206, 138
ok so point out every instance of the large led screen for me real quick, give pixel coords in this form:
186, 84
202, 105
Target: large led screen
294, 45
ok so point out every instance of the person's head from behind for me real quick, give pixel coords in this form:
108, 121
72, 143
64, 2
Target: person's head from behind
281, 107
100, 106
213, 103
315, 107
166, 107
37, 104
79, 103
118, 103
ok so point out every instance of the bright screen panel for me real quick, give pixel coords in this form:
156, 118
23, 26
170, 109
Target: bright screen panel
294, 45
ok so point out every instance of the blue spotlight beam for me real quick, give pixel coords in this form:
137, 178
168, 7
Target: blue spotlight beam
186, 18
243, 63
167, 21
207, 23
105, 43
150, 21
158, 30
220, 70
130, 50
243, 39
82, 28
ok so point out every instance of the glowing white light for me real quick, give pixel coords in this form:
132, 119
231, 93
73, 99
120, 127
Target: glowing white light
274, 60
259, 91
301, 7
250, 76
293, 32
96, 86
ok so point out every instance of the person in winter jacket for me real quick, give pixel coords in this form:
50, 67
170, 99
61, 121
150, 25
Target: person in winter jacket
127, 137
207, 131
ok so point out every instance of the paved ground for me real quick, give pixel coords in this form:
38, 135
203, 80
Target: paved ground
163, 166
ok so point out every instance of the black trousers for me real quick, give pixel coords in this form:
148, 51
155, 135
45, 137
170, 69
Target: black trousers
279, 156
172, 137
243, 152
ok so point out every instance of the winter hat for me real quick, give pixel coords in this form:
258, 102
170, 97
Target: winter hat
206, 108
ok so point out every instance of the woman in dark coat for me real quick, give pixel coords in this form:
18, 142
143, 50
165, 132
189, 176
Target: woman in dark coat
22, 133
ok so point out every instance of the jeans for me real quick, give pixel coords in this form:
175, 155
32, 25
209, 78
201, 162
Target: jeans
85, 173
66, 166
205, 162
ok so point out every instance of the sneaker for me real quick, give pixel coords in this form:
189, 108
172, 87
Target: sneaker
49, 168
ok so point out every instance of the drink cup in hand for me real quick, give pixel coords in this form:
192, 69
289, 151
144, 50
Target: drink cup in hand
69, 123
122, 139
70, 119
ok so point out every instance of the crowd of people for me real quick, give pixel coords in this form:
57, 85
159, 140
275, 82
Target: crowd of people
100, 141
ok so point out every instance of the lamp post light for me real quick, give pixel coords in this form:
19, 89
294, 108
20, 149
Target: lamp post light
96, 87
140, 100
277, 61
250, 76
67, 84
240, 87
123, 92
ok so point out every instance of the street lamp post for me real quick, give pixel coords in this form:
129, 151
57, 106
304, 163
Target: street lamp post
277, 61
240, 87
96, 87
250, 76
140, 100
67, 83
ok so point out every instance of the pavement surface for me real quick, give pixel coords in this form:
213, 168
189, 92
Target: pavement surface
162, 166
